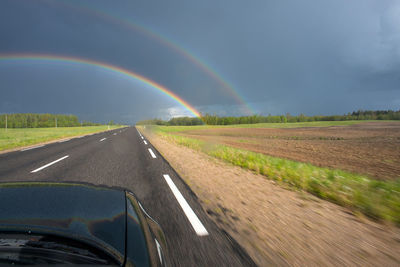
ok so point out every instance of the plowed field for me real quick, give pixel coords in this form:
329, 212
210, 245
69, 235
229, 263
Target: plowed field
371, 148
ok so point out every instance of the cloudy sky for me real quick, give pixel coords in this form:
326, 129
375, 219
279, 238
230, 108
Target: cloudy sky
224, 57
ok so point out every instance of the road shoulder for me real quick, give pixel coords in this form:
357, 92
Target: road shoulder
276, 225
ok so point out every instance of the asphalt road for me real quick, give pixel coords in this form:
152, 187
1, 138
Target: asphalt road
122, 158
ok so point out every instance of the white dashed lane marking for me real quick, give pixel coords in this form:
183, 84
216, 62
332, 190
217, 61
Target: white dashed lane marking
193, 219
152, 153
49, 164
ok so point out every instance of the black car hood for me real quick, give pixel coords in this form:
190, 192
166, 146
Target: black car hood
84, 212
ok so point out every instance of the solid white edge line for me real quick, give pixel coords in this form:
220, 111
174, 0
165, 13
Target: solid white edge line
62, 141
101, 140
152, 153
49, 164
142, 137
193, 219
145, 142
29, 148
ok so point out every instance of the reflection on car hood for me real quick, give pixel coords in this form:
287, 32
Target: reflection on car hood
85, 212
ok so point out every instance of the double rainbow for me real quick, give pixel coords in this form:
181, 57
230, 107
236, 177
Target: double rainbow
159, 38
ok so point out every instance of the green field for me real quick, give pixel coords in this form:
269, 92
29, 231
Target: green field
20, 137
376, 199
170, 129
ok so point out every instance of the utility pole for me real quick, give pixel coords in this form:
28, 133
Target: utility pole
6, 121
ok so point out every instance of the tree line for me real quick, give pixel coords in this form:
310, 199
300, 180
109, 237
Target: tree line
174, 121
209, 119
33, 120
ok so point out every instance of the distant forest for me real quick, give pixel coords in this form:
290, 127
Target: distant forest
31, 120
217, 120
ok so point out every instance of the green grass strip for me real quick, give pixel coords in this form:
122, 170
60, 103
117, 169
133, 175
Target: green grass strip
20, 137
376, 199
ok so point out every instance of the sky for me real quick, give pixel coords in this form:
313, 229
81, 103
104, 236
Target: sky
228, 58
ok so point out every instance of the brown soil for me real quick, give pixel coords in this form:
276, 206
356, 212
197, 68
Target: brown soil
369, 148
277, 226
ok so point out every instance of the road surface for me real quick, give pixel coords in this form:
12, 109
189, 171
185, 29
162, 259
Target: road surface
124, 158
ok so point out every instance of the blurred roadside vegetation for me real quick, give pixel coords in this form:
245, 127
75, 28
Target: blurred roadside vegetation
376, 199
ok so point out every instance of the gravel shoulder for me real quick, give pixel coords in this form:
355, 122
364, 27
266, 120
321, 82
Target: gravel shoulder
278, 226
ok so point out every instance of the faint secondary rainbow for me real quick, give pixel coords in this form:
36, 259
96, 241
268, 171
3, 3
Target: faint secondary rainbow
228, 88
106, 66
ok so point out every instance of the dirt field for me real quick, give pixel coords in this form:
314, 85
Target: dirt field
371, 148
277, 226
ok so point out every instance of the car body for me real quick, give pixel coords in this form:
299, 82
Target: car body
46, 222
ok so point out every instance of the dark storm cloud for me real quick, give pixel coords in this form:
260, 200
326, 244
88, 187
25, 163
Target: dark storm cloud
306, 56
313, 57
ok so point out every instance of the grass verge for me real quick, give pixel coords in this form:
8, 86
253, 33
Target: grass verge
14, 138
379, 200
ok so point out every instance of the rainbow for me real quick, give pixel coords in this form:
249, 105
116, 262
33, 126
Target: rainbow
164, 41
105, 66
